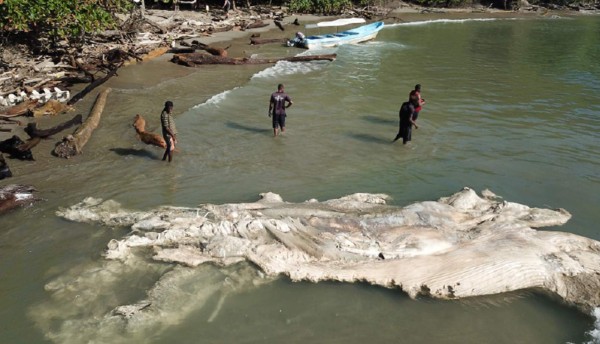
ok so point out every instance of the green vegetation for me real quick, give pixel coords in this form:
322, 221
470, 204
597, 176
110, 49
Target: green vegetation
59, 19
319, 6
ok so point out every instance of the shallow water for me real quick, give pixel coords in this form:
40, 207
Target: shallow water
512, 105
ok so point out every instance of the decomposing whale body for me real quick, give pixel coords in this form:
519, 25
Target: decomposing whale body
459, 246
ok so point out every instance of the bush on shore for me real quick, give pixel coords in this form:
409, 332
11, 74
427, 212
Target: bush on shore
58, 19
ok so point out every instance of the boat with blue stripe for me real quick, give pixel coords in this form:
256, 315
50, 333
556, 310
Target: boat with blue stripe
352, 36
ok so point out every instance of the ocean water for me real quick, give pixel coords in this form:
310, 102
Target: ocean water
513, 105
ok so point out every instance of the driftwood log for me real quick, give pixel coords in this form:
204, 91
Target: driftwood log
149, 138
14, 196
51, 108
36, 135
4, 170
33, 131
258, 40
15, 148
255, 25
195, 59
279, 25
73, 144
93, 85
210, 49
22, 109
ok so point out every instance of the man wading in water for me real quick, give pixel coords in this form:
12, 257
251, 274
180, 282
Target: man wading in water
277, 106
168, 130
407, 120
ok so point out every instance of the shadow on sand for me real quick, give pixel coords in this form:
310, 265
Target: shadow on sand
143, 153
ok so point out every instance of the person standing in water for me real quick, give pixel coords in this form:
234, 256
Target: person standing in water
168, 130
407, 120
277, 105
415, 97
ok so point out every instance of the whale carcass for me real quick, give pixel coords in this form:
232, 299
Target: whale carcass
459, 246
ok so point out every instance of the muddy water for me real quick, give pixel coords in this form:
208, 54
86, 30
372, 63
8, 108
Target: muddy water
512, 105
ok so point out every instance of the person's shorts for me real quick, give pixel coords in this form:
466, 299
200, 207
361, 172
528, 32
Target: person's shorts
278, 120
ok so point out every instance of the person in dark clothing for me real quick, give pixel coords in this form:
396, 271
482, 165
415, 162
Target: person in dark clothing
277, 105
168, 130
407, 111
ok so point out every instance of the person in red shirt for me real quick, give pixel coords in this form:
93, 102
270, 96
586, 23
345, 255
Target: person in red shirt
415, 97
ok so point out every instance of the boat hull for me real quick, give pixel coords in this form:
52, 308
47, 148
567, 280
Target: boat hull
352, 36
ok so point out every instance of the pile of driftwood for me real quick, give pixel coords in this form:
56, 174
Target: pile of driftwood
70, 145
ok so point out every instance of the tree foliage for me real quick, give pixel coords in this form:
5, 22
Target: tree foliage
319, 6
56, 19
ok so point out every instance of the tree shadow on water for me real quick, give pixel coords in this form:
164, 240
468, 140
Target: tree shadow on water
371, 138
239, 126
142, 153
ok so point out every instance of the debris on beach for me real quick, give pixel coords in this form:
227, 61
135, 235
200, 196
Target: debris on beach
13, 196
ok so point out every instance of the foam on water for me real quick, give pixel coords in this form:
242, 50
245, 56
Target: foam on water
283, 68
445, 21
595, 333
215, 100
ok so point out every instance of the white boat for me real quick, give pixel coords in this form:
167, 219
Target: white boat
356, 35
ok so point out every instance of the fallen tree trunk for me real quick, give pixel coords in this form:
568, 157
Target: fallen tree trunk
256, 25
194, 59
4, 169
93, 85
14, 196
51, 108
36, 135
73, 144
256, 40
33, 131
14, 147
279, 25
23, 109
210, 49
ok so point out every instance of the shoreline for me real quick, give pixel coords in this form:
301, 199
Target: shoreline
238, 43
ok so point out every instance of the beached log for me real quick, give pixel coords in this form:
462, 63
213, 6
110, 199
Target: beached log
10, 120
14, 196
4, 169
139, 123
73, 144
14, 147
93, 85
195, 59
33, 131
51, 108
210, 49
224, 28
23, 109
279, 25
255, 25
256, 40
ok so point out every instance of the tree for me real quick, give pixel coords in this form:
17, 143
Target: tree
59, 19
